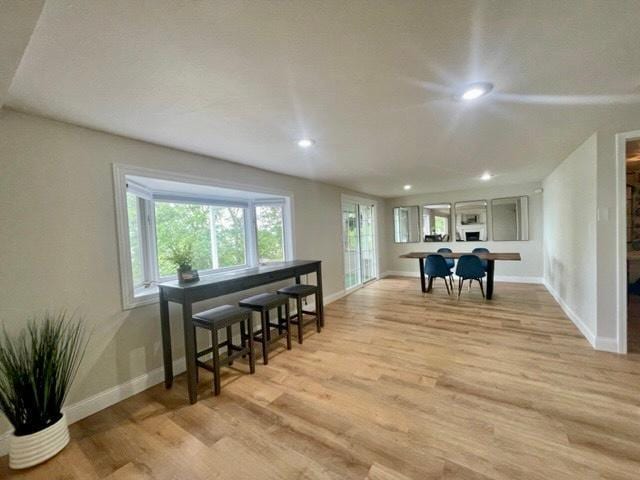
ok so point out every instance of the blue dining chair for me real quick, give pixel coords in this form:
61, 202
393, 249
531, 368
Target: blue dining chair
485, 264
436, 267
450, 262
470, 268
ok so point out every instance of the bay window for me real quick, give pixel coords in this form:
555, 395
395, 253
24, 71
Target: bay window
225, 228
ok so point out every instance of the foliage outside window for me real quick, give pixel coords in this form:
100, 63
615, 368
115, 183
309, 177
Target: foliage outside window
227, 232
270, 233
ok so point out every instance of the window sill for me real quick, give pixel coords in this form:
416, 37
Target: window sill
142, 297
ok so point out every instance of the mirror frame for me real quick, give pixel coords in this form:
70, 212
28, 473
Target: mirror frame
487, 227
419, 224
451, 215
493, 237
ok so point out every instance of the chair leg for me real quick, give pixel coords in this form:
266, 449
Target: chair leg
300, 320
318, 319
288, 323
460, 283
446, 284
252, 351
216, 362
265, 350
481, 287
229, 344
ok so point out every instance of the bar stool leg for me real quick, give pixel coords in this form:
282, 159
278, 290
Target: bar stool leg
252, 353
268, 315
229, 339
216, 362
243, 336
264, 318
195, 349
288, 323
318, 319
300, 320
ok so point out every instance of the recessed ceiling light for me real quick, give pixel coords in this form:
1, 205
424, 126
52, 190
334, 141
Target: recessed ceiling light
474, 91
486, 176
407, 187
305, 142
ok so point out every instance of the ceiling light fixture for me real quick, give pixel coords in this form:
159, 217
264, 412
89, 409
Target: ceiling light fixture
407, 187
474, 91
305, 142
486, 176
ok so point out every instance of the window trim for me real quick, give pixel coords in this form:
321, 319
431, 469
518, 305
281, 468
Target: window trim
120, 172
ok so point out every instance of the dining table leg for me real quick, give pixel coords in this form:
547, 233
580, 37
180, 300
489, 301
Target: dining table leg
490, 271
190, 351
165, 328
422, 282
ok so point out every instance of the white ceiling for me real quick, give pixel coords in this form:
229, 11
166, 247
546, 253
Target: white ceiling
370, 81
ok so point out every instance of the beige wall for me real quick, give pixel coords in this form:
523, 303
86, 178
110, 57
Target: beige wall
58, 244
530, 268
570, 235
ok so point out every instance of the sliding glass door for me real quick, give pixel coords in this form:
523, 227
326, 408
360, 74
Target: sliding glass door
358, 230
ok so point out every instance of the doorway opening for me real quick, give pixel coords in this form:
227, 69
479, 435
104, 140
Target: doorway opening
359, 241
632, 243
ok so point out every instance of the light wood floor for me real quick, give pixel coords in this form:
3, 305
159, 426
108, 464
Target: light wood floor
399, 385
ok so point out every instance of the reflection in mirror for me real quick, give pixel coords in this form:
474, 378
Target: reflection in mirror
406, 224
436, 222
510, 218
471, 221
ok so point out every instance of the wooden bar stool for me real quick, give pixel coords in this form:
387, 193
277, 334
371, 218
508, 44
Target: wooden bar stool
264, 303
226, 317
298, 292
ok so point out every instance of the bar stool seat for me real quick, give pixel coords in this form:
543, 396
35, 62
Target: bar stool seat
225, 316
298, 292
264, 303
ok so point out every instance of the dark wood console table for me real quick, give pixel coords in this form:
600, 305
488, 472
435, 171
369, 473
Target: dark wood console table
216, 285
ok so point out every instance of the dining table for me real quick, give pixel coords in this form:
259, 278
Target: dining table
490, 257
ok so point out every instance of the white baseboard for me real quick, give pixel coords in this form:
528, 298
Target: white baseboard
573, 316
607, 344
497, 278
106, 398
82, 409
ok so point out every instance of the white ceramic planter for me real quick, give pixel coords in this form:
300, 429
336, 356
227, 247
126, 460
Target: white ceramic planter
29, 450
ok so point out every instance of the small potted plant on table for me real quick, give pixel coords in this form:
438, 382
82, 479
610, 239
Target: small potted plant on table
36, 371
182, 256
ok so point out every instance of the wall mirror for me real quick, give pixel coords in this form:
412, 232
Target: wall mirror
436, 222
510, 218
406, 224
471, 221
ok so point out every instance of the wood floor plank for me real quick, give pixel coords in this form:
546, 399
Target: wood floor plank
399, 385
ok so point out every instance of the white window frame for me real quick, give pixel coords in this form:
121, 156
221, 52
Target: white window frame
134, 297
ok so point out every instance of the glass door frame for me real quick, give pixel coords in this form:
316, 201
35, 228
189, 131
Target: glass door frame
360, 201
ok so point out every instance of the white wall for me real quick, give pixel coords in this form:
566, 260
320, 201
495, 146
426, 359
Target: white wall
625, 120
570, 236
529, 269
58, 244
